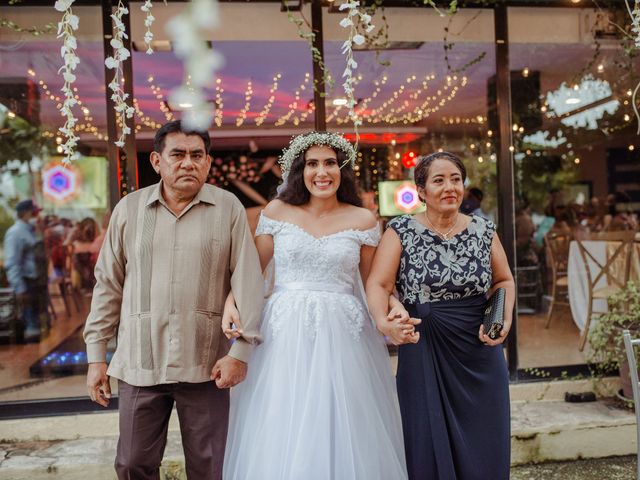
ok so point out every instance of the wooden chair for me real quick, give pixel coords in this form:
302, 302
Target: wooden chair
595, 270
557, 248
629, 345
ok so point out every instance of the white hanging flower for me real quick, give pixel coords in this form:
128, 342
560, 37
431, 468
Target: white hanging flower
66, 28
358, 39
148, 22
187, 31
354, 16
123, 110
63, 6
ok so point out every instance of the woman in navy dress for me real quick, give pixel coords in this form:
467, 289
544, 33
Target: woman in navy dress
453, 384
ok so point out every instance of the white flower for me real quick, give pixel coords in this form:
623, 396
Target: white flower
111, 63
358, 39
188, 33
74, 21
346, 22
63, 5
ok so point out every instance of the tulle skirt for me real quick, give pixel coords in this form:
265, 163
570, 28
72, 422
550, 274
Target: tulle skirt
319, 401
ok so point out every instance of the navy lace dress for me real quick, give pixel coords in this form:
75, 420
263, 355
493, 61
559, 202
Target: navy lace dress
453, 390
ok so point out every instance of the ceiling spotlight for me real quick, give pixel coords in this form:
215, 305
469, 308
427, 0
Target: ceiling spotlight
185, 105
339, 102
525, 72
572, 101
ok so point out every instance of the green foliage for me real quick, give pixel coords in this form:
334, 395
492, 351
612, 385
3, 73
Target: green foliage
605, 336
19, 140
35, 31
537, 175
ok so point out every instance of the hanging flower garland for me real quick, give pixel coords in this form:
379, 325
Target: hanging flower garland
120, 54
148, 21
188, 33
635, 20
354, 16
635, 29
66, 28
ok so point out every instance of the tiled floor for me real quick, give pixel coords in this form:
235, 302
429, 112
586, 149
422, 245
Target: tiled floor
538, 347
15, 360
555, 346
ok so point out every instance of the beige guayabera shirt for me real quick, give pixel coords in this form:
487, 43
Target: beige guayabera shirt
161, 283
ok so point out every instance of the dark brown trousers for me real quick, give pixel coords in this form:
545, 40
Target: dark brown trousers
203, 412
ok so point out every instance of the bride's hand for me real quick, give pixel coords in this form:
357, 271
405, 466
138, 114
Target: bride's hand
398, 312
231, 317
400, 331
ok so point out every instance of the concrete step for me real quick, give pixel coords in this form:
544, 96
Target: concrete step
544, 428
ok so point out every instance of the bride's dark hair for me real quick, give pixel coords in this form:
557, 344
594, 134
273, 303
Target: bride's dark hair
296, 192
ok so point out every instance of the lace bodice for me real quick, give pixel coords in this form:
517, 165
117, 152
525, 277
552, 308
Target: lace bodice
301, 257
433, 269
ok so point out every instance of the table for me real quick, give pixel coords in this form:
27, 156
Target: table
578, 285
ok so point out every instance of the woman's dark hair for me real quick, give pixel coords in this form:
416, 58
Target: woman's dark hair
87, 230
296, 192
175, 126
421, 172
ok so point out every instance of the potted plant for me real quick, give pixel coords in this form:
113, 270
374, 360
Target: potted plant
605, 337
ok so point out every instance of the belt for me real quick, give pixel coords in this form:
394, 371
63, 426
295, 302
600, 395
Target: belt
312, 286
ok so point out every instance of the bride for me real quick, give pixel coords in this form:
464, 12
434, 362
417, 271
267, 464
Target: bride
319, 400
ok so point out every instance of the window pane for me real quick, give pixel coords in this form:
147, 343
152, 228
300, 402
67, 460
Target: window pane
576, 171
42, 348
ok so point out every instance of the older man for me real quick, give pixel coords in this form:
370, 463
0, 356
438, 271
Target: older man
172, 253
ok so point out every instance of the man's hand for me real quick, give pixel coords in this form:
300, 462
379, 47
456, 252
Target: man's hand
98, 383
228, 372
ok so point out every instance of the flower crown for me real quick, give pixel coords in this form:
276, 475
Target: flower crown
301, 143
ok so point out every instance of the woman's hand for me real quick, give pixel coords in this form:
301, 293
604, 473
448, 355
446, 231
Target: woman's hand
231, 318
398, 311
400, 331
487, 340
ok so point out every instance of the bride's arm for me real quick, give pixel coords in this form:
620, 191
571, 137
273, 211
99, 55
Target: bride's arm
264, 244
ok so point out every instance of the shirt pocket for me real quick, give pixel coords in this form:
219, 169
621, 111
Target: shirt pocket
208, 329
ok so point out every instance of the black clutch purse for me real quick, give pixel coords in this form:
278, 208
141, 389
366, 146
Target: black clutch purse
493, 320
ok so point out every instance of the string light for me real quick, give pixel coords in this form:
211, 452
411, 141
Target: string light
248, 95
157, 92
219, 113
262, 116
87, 126
478, 119
293, 106
425, 110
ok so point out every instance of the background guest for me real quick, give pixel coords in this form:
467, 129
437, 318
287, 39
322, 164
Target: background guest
26, 265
